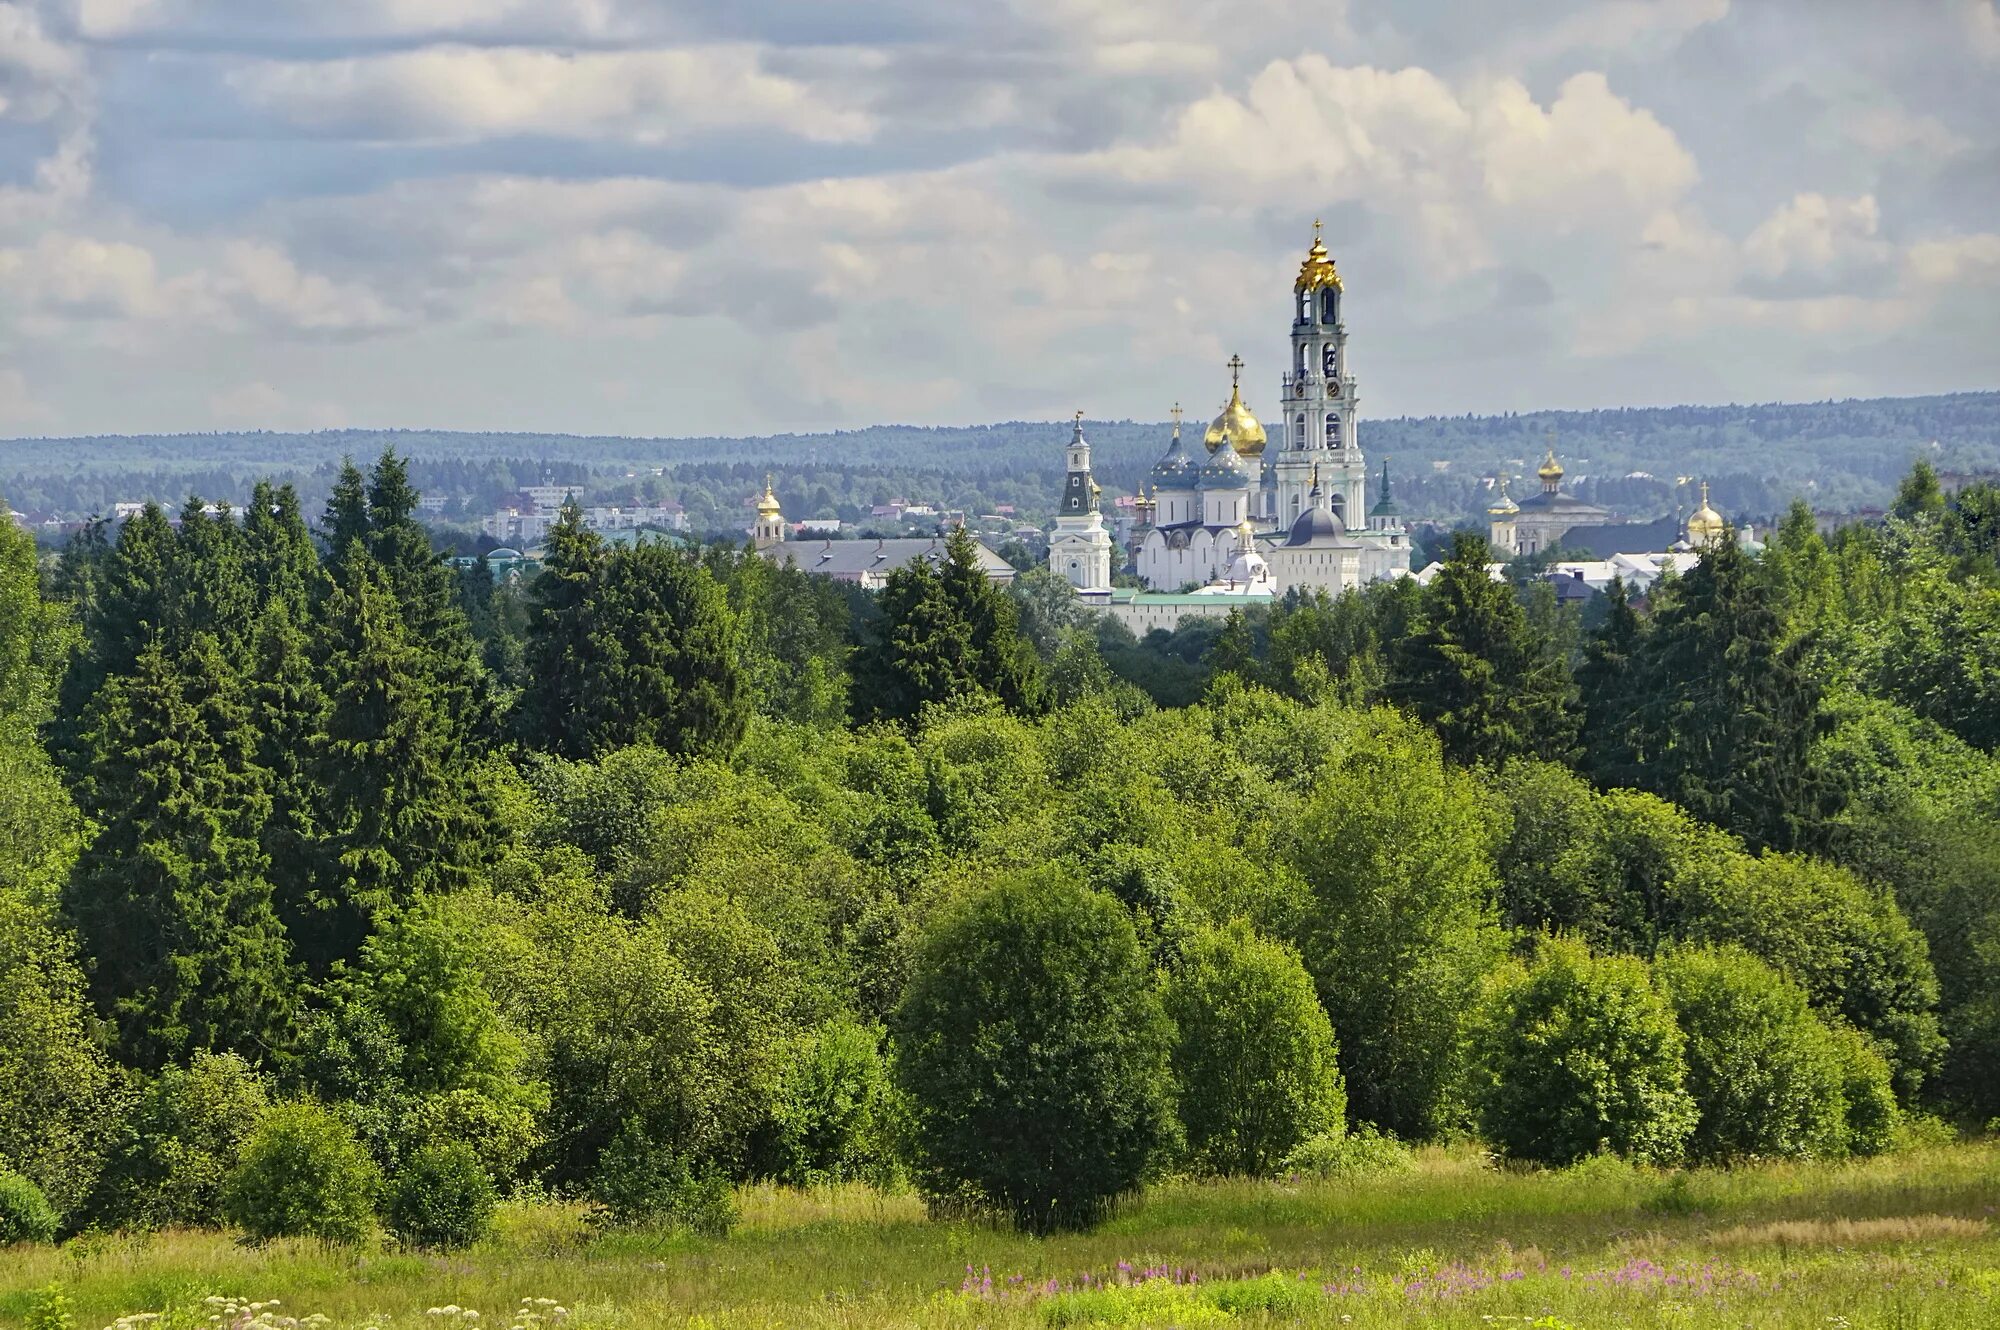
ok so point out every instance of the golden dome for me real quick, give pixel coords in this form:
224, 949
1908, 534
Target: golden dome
1318, 270
1236, 425
1503, 506
1707, 525
767, 506
1551, 470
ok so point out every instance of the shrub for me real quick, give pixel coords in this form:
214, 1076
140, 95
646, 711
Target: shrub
1579, 1054
443, 1198
1763, 1071
1337, 1154
25, 1214
830, 1114
184, 1136
640, 1184
1034, 1054
1867, 1091
302, 1174
1253, 1052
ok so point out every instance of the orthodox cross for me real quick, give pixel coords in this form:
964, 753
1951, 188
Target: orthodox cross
1235, 370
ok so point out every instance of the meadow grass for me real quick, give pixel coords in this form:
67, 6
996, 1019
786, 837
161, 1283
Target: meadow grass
1905, 1241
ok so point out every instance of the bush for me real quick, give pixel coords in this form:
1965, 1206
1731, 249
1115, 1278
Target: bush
1253, 1052
1358, 1153
1034, 1054
639, 1184
830, 1114
1867, 1091
185, 1134
302, 1174
1763, 1071
443, 1198
25, 1214
1579, 1054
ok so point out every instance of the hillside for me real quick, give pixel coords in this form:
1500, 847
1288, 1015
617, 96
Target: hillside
1839, 455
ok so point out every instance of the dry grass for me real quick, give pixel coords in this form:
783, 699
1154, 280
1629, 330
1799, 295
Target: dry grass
1850, 1232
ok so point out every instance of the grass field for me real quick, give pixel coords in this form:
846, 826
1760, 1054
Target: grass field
1910, 1240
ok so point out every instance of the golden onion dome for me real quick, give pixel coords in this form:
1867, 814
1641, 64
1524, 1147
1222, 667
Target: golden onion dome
767, 506
1236, 426
1503, 506
1551, 470
1317, 270
1707, 525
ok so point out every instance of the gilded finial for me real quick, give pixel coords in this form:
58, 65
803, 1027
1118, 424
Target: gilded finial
1177, 419
1235, 371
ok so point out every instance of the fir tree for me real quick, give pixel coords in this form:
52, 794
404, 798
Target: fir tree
283, 563
427, 593
290, 707
553, 704
918, 653
1004, 663
1475, 670
171, 898
129, 609
1726, 717
660, 663
1609, 690
211, 590
345, 522
1919, 497
398, 812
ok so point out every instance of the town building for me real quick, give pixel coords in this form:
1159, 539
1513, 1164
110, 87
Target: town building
868, 561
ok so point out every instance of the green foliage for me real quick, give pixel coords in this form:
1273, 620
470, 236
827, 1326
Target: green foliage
182, 1138
1034, 1054
1766, 1077
50, 1310
25, 1214
1253, 1052
302, 1174
59, 1094
1346, 1154
946, 635
1473, 668
1866, 1091
1395, 851
834, 1111
1576, 1055
640, 1184
170, 898
441, 1200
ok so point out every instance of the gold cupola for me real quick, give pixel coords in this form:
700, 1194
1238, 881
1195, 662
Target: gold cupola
1707, 526
1503, 504
1317, 271
1236, 426
1551, 471
767, 505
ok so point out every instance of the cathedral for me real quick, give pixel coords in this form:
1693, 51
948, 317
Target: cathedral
1236, 517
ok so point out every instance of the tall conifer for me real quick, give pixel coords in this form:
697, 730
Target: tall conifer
171, 898
553, 704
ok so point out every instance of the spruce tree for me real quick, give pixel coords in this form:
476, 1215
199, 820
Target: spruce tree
918, 653
211, 590
1609, 688
283, 563
427, 592
399, 813
131, 603
1727, 717
1004, 663
171, 898
345, 522
289, 704
556, 698
660, 662
1477, 672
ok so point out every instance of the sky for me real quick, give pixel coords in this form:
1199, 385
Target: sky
659, 218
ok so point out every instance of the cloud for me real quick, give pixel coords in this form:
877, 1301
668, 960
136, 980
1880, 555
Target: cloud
258, 405
1818, 246
20, 410
40, 77
458, 93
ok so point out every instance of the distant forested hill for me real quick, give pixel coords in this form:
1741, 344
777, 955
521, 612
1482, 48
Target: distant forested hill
1839, 455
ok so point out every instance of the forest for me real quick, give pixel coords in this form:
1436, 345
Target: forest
1841, 456
345, 896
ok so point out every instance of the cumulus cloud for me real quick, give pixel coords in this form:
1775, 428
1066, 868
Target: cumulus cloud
465, 92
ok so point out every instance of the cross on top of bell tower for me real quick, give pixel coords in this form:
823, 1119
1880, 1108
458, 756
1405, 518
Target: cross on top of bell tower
1235, 370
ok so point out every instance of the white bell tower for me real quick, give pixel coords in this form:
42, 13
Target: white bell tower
1080, 545
770, 528
1320, 428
